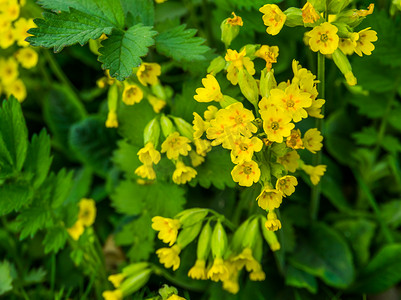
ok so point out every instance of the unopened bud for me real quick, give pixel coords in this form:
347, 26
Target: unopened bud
219, 240
216, 65
250, 50
270, 236
236, 242
188, 234
184, 128
267, 82
337, 6
248, 86
191, 216
166, 125
133, 283
204, 242
227, 100
251, 233
230, 29
151, 133
342, 62
294, 17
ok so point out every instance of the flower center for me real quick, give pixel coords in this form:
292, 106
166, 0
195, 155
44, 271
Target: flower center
275, 125
238, 119
324, 38
247, 170
131, 92
243, 146
290, 103
277, 18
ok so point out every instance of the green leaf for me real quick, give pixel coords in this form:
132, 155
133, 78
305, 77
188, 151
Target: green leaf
33, 219
382, 272
394, 118
61, 186
121, 52
215, 170
322, 252
391, 144
81, 185
370, 105
13, 196
13, 137
300, 279
181, 45
35, 276
55, 239
367, 137
126, 158
127, 198
139, 11
359, 234
5, 278
391, 213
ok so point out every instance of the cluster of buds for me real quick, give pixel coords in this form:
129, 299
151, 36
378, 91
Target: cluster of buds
219, 257
333, 29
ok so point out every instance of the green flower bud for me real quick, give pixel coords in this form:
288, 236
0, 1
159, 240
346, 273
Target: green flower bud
319, 5
158, 90
250, 50
134, 268
166, 125
337, 6
270, 236
236, 242
188, 234
219, 240
184, 128
204, 242
294, 17
252, 231
279, 149
191, 216
342, 62
230, 29
248, 86
267, 82
112, 97
151, 133
265, 173
257, 248
133, 283
350, 18
227, 100
216, 65
277, 170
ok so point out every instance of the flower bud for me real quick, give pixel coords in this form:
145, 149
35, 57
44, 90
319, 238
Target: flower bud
184, 128
219, 240
216, 65
166, 125
337, 6
159, 91
267, 82
248, 86
294, 17
112, 98
349, 17
204, 242
279, 150
151, 133
252, 231
134, 268
230, 29
250, 50
227, 100
342, 62
133, 283
270, 236
239, 234
191, 216
319, 5
188, 234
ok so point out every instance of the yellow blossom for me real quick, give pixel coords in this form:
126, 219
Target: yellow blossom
132, 94
236, 62
315, 109
148, 73
269, 54
199, 125
218, 271
168, 229
210, 92
116, 279
157, 104
148, 154
202, 146
112, 121
146, 171
364, 43
272, 223
10, 10
313, 140
264, 104
176, 145
324, 38
245, 259
290, 161
286, 184
196, 159
183, 173
309, 14
17, 89
7, 37
315, 173
238, 120
210, 113
246, 173
235, 20
174, 296
243, 149
269, 198
8, 71
273, 18
364, 12
294, 141
257, 275
21, 26
347, 46
27, 57
198, 271
277, 125
169, 257
87, 211
113, 295
76, 230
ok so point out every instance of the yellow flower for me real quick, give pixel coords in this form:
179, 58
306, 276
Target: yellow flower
264, 104
27, 57
148, 154
146, 171
272, 223
202, 146
210, 113
76, 230
10, 10
148, 73
8, 71
315, 109
315, 173
257, 275
273, 18
168, 229
112, 121
324, 38
169, 257
238, 120
157, 104
218, 271
132, 94
113, 295
290, 161
269, 198
16, 88
269, 54
245, 259
7, 37
309, 14
183, 173
176, 145
294, 141
286, 185
87, 211
175, 297
364, 43
116, 279
21, 26
313, 140
210, 92
198, 271
246, 173
196, 159
236, 62
277, 125
199, 126
244, 148
364, 12
347, 46
235, 20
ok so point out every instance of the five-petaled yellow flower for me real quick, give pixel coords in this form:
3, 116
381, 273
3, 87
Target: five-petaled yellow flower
132, 94
198, 271
176, 145
169, 257
269, 54
269, 198
148, 73
183, 173
149, 155
246, 173
324, 38
277, 125
364, 43
87, 211
273, 18
236, 62
286, 184
315, 173
210, 92
313, 140
218, 271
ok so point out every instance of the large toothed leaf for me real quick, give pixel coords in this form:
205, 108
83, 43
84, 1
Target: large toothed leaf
122, 50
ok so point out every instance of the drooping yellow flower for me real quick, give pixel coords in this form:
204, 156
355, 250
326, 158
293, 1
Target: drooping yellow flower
132, 94
347, 46
198, 271
210, 113
87, 211
313, 140
8, 71
272, 223
244, 148
246, 173
157, 104
315, 173
17, 89
309, 14
168, 229
146, 171
183, 173
113, 295
324, 38
196, 159
21, 26
294, 141
257, 275
210, 92
316, 108
236, 62
273, 18
76, 230
169, 257
116, 279
218, 271
277, 125
364, 43
176, 145
269, 54
112, 121
269, 198
148, 154
199, 125
245, 259
175, 297
290, 161
364, 12
286, 184
148, 73
202, 146
27, 57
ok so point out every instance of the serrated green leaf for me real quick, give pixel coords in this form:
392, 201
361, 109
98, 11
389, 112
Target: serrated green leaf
139, 11
367, 137
180, 44
300, 279
370, 105
35, 276
126, 158
61, 185
391, 144
55, 239
80, 185
127, 198
391, 213
5, 278
33, 219
121, 52
13, 196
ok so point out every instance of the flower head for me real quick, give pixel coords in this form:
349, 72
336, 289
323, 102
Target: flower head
183, 173
269, 198
132, 94
273, 18
277, 125
218, 271
272, 223
198, 271
169, 257
364, 43
313, 140
269, 54
309, 14
27, 57
176, 145
324, 38
148, 73
246, 173
148, 154
236, 62
76, 230
113, 295
243, 149
87, 211
290, 161
17, 89
112, 121
116, 279
21, 26
315, 173
286, 184
146, 171
210, 92
168, 229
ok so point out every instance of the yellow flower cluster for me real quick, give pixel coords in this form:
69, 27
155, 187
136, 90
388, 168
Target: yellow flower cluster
86, 217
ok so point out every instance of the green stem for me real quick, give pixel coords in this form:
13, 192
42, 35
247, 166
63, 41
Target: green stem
53, 272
